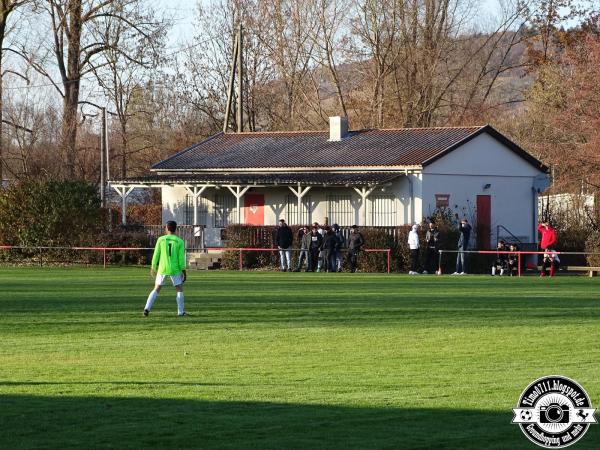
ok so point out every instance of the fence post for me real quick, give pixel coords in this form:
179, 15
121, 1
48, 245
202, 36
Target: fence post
104, 256
519, 263
389, 259
241, 260
41, 264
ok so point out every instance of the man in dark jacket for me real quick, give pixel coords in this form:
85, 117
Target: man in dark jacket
463, 244
284, 241
313, 250
431, 241
340, 242
355, 243
328, 246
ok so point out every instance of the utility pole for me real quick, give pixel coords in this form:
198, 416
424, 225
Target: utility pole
240, 70
231, 81
103, 153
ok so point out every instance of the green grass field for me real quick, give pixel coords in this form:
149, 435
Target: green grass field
276, 360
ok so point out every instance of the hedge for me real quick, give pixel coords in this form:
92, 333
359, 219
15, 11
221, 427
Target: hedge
250, 236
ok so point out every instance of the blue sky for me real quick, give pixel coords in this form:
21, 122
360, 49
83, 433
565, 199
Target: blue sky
183, 13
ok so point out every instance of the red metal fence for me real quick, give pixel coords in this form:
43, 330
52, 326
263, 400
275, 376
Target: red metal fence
106, 250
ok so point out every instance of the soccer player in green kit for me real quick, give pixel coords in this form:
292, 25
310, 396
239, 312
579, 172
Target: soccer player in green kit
168, 261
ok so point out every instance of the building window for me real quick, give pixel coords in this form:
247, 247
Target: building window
202, 210
223, 210
339, 210
383, 212
291, 209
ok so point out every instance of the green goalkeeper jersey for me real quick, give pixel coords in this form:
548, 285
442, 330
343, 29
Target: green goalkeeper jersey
169, 255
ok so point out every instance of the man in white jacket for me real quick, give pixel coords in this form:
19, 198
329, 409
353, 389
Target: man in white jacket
413, 244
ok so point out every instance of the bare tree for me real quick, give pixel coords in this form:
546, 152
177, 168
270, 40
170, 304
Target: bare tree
83, 31
287, 30
7, 9
124, 83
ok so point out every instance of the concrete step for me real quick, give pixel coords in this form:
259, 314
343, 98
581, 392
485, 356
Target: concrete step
204, 261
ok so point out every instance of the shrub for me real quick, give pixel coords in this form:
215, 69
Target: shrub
592, 245
396, 241
50, 213
572, 238
127, 236
138, 214
249, 236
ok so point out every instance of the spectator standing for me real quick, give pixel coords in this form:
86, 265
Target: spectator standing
463, 244
314, 248
321, 231
432, 239
336, 258
284, 241
355, 243
304, 244
329, 244
413, 244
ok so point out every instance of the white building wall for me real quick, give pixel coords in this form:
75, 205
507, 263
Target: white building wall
464, 173
174, 205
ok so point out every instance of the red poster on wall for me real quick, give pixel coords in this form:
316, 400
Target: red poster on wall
254, 207
442, 200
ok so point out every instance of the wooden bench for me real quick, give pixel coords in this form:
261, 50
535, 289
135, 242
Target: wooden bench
591, 270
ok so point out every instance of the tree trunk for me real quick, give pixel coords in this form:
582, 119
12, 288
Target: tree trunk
71, 85
3, 16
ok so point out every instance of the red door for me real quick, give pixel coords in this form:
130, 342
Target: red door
254, 206
484, 221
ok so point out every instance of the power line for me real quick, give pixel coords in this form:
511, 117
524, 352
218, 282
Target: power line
49, 84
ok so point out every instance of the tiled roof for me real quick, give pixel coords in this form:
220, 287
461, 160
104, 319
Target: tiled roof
292, 178
406, 147
403, 147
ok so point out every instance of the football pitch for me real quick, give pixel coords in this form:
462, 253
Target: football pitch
285, 360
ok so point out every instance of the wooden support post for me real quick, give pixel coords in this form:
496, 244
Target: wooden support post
364, 192
124, 192
238, 192
196, 192
299, 193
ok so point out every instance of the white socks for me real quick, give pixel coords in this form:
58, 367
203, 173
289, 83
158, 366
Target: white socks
154, 294
151, 299
180, 308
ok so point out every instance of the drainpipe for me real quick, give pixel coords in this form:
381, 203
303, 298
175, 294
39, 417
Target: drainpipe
534, 205
412, 197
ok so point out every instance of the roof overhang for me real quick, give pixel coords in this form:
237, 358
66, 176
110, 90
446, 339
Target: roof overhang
263, 179
285, 170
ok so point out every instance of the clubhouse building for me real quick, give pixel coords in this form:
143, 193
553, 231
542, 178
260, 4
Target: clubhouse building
371, 177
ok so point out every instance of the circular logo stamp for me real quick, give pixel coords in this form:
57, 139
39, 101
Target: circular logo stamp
554, 412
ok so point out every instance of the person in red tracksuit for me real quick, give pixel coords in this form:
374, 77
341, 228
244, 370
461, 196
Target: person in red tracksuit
547, 243
548, 236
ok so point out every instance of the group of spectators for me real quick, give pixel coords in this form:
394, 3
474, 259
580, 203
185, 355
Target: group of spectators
324, 248
506, 263
321, 247
432, 242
